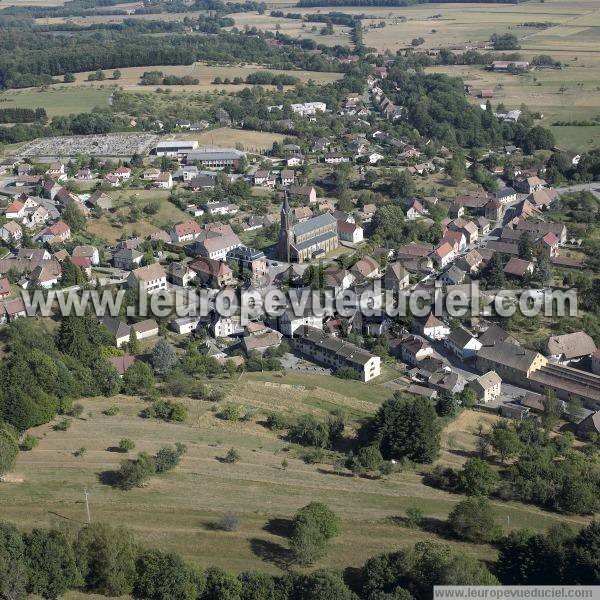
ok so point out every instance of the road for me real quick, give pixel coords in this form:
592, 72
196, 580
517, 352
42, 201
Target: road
593, 188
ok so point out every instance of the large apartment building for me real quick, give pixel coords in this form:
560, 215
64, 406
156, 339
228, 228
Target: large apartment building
336, 353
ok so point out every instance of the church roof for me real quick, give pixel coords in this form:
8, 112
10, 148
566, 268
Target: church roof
314, 223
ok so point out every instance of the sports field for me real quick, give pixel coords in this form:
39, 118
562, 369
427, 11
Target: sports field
178, 511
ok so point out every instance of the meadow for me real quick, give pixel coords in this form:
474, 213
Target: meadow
179, 511
59, 100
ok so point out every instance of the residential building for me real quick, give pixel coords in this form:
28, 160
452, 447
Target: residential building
570, 347
461, 343
303, 193
249, 260
350, 232
430, 327
336, 353
443, 255
366, 268
164, 181
11, 232
414, 349
150, 279
100, 199
126, 259
217, 247
212, 273
185, 232
487, 387
179, 274
513, 363
56, 234
396, 277
89, 252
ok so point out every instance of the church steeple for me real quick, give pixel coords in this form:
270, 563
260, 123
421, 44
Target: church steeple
285, 232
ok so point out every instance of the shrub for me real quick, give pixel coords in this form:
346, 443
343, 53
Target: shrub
125, 445
276, 421
111, 411
167, 410
229, 523
80, 452
62, 425
232, 456
29, 442
76, 410
414, 516
166, 459
231, 412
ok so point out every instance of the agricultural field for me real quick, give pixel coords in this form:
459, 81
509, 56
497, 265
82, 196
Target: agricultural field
178, 511
567, 94
58, 101
294, 27
444, 25
130, 77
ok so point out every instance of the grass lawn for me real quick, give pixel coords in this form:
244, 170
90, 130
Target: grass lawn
111, 226
248, 140
178, 511
58, 100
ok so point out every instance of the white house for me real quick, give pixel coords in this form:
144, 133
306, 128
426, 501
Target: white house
150, 278
461, 343
431, 327
487, 387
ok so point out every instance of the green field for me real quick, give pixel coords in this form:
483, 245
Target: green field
179, 511
58, 101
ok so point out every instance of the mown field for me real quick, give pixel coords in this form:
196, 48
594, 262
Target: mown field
59, 100
179, 511
245, 139
130, 77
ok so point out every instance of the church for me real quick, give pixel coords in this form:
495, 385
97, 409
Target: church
299, 242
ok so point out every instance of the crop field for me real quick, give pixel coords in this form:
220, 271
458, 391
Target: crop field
58, 100
179, 511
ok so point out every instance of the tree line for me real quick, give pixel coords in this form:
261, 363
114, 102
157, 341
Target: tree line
107, 560
32, 59
22, 115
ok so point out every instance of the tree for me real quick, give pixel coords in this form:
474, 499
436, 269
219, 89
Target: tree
552, 411
504, 441
116, 74
323, 585
51, 563
232, 456
414, 516
472, 520
9, 447
309, 431
367, 459
133, 346
538, 138
138, 379
13, 567
68, 78
221, 585
256, 585
106, 559
73, 216
107, 377
525, 246
407, 427
163, 576
402, 185
135, 473
476, 478
313, 526
164, 357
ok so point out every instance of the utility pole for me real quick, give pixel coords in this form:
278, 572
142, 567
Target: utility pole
87, 504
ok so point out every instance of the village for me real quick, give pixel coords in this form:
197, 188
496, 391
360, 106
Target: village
441, 357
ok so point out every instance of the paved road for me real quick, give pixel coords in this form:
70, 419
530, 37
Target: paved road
594, 188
